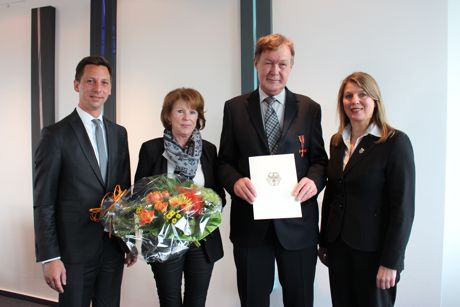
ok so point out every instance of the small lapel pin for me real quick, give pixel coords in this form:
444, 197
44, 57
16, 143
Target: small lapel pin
361, 150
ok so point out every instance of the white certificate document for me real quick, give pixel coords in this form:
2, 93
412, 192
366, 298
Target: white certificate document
274, 178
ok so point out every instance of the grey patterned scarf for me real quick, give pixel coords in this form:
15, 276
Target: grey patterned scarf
186, 159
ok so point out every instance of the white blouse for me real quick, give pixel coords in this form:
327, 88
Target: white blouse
346, 136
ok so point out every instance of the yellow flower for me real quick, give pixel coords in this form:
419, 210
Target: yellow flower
170, 214
180, 200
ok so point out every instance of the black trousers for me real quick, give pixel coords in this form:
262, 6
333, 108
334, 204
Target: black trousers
255, 267
97, 282
352, 278
196, 269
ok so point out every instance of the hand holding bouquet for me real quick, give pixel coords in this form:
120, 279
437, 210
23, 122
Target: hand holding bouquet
165, 213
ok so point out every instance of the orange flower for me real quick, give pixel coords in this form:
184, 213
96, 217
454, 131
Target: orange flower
197, 206
180, 201
187, 207
145, 216
196, 200
161, 206
153, 197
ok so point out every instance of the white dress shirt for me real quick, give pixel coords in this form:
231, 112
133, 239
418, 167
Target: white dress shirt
346, 136
87, 120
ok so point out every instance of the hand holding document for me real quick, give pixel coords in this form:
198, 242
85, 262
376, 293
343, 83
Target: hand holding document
274, 178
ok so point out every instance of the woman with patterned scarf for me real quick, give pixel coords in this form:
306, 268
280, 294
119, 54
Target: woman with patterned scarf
182, 151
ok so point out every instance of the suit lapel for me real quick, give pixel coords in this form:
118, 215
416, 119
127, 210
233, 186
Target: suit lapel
363, 149
85, 143
337, 154
256, 116
290, 112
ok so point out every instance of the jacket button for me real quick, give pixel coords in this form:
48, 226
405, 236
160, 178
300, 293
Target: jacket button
340, 206
340, 181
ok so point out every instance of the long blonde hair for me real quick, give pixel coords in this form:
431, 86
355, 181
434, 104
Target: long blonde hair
370, 86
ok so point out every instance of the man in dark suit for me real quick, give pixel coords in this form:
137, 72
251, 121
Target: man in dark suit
78, 161
248, 131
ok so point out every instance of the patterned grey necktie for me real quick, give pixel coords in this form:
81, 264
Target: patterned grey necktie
101, 148
272, 125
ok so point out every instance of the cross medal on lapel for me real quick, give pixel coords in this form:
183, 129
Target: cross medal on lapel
302, 150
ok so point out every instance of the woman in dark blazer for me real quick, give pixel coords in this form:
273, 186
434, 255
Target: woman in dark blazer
182, 151
368, 205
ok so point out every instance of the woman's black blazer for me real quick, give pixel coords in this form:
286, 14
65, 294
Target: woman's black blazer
370, 203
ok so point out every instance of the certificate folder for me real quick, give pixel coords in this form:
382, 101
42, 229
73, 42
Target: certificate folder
274, 178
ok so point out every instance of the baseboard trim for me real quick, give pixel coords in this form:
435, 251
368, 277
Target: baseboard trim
28, 298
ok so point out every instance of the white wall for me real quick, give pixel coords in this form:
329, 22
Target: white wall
451, 265
403, 44
166, 44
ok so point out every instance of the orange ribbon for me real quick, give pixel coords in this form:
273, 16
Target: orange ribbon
96, 214
302, 149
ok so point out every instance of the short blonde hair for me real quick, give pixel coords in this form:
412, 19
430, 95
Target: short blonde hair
273, 42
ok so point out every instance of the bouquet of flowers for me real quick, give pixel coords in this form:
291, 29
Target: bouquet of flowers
165, 213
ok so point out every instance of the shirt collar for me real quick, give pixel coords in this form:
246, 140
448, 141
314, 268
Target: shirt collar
86, 118
281, 97
372, 129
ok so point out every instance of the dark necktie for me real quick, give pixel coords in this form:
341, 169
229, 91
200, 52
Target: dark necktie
272, 125
101, 148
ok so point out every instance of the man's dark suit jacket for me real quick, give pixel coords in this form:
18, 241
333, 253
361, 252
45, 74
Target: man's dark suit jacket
243, 136
68, 182
151, 162
370, 203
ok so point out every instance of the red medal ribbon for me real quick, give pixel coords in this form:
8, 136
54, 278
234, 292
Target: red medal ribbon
302, 150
